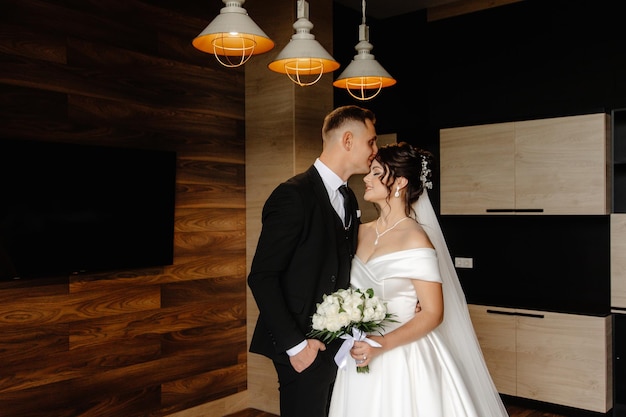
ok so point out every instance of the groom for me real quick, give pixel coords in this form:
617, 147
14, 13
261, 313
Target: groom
305, 251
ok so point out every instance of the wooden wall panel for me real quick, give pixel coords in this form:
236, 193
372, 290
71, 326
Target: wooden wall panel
283, 123
140, 342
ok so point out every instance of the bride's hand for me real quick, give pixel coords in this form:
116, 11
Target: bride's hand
363, 353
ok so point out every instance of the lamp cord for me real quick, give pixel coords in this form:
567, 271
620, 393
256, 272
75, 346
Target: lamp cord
363, 7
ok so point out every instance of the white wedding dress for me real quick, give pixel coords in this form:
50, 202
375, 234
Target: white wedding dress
442, 374
417, 379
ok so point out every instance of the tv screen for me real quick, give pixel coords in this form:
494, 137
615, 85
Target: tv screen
68, 208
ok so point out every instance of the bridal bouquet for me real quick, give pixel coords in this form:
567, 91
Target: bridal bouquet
349, 314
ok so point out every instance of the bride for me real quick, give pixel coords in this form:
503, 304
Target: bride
429, 363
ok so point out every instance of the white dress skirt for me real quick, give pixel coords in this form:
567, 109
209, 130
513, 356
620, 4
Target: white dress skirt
419, 379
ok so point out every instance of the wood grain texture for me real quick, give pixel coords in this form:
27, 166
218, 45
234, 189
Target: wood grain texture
497, 335
140, 342
283, 130
565, 155
578, 350
519, 345
618, 261
477, 168
539, 165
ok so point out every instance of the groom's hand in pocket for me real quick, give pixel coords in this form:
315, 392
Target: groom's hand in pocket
306, 356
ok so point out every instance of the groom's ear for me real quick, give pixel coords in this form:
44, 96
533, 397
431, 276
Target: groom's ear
346, 140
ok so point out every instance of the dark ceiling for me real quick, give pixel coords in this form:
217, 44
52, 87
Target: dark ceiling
382, 9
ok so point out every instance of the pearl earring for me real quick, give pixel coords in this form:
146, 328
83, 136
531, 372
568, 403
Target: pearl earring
397, 193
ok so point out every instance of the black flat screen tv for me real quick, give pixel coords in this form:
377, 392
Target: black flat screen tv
69, 208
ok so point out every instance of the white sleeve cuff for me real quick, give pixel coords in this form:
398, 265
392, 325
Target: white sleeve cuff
297, 348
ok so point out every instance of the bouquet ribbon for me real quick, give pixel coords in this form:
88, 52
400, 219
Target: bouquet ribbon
341, 358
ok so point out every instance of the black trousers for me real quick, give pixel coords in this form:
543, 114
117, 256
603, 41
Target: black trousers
307, 394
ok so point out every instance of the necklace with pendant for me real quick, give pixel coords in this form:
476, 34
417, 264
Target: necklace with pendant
379, 235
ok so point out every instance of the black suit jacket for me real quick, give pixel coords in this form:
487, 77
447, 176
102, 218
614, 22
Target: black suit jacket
303, 252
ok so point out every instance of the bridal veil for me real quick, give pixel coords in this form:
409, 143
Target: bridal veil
457, 328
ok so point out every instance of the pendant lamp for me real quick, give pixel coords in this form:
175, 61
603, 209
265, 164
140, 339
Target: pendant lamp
364, 77
303, 59
232, 36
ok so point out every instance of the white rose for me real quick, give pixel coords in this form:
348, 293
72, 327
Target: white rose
335, 323
352, 306
374, 309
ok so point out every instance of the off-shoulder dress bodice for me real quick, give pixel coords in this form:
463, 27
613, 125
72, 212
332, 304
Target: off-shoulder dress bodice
391, 275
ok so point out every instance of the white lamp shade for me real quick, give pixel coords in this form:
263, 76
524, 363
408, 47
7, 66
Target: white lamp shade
304, 56
364, 77
303, 59
233, 33
364, 72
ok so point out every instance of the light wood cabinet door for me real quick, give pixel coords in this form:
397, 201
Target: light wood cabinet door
565, 359
558, 358
477, 168
496, 334
618, 261
561, 165
546, 166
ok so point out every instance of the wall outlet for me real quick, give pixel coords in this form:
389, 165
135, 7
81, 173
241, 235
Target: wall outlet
463, 262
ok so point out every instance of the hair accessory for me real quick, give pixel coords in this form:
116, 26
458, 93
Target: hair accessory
397, 193
425, 176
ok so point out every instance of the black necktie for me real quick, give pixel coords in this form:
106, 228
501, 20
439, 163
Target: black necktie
343, 190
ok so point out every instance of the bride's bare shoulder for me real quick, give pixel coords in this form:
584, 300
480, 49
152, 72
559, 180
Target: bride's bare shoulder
418, 237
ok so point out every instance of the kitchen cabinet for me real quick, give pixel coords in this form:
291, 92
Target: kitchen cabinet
618, 262
545, 166
497, 334
564, 359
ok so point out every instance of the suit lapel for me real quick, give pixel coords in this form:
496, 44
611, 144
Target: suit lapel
329, 213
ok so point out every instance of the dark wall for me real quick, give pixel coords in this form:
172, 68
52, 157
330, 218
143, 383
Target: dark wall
526, 60
552, 263
532, 59
398, 45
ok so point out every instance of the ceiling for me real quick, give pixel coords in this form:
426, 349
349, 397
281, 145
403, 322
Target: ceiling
382, 9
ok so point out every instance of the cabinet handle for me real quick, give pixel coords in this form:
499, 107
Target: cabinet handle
538, 210
537, 316
504, 313
513, 313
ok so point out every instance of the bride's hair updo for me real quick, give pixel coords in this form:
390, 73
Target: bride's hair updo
403, 160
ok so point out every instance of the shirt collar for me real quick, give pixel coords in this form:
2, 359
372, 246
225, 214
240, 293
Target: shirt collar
331, 180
